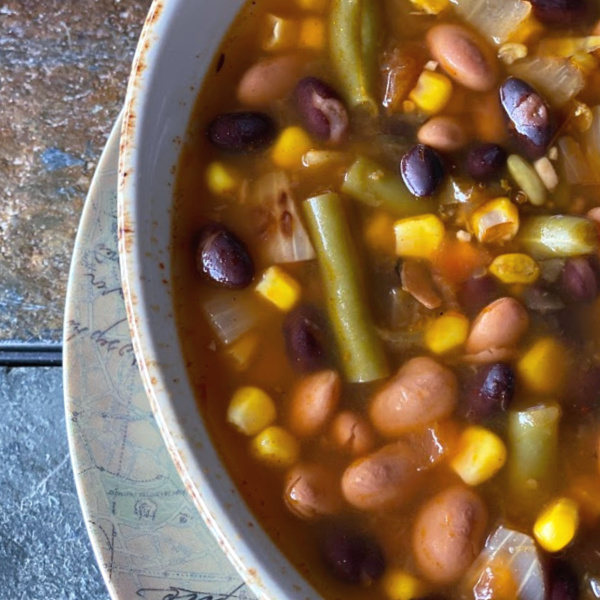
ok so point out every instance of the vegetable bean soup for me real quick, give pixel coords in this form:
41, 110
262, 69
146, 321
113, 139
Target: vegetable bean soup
386, 279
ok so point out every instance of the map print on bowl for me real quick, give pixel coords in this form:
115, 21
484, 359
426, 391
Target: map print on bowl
149, 540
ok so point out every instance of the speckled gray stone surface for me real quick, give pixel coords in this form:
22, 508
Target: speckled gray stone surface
45, 552
64, 66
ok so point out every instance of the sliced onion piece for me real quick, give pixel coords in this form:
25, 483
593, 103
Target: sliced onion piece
557, 79
592, 141
498, 20
575, 164
231, 314
513, 552
283, 237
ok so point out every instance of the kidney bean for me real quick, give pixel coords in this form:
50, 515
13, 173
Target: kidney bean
352, 556
421, 392
491, 390
449, 533
563, 582
477, 292
560, 12
238, 132
270, 79
313, 402
222, 258
529, 116
383, 480
445, 134
322, 111
500, 325
422, 170
464, 56
485, 162
578, 281
312, 491
304, 338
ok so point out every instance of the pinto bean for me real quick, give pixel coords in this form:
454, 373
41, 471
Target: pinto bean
499, 326
352, 433
383, 480
313, 402
464, 56
448, 534
312, 491
423, 391
269, 80
442, 133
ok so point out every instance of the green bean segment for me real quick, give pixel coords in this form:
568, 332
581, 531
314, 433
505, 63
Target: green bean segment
527, 179
360, 350
375, 186
354, 35
533, 443
558, 236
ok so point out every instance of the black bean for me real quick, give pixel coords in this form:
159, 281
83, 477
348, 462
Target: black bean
304, 338
322, 111
477, 292
529, 116
490, 391
560, 12
422, 170
239, 132
222, 258
485, 161
353, 557
578, 281
563, 581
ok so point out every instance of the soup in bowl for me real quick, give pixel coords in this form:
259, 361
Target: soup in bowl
359, 243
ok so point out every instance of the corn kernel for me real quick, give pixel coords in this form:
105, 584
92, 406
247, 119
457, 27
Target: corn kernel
312, 34
251, 410
379, 233
495, 221
279, 34
557, 524
292, 144
515, 268
480, 455
312, 5
543, 368
221, 179
400, 585
447, 333
419, 237
431, 7
276, 447
279, 287
243, 349
432, 92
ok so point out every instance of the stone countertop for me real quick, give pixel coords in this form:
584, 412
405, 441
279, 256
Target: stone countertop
45, 551
64, 66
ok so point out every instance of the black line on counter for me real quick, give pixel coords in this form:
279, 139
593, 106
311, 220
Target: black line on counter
23, 354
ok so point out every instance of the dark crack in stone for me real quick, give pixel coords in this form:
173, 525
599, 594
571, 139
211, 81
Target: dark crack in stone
64, 66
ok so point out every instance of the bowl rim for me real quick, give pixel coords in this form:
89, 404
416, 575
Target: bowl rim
265, 576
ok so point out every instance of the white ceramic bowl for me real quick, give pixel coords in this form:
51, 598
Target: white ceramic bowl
177, 46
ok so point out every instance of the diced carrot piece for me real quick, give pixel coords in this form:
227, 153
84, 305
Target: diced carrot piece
457, 261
